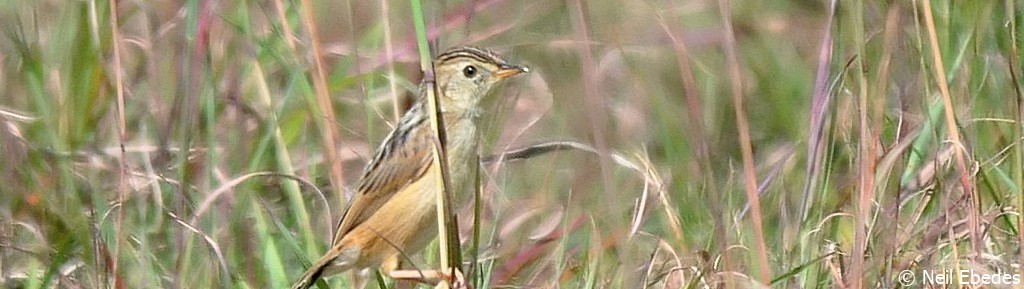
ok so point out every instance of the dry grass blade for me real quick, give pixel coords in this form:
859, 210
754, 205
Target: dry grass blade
951, 128
230, 184
549, 147
447, 230
210, 242
122, 186
653, 179
286, 27
864, 158
445, 217
835, 266
927, 174
646, 170
324, 107
595, 104
14, 115
695, 115
1018, 156
746, 148
871, 99
676, 274
389, 53
819, 108
776, 169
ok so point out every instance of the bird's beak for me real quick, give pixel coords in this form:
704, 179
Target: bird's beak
507, 70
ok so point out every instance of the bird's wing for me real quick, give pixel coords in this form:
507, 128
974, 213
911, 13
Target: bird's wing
403, 158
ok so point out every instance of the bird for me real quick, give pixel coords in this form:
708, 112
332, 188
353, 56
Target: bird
392, 211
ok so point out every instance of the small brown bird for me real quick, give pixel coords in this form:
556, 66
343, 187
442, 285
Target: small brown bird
392, 212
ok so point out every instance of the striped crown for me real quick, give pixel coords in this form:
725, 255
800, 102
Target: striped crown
478, 54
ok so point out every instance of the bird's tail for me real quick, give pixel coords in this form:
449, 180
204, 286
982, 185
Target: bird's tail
310, 277
318, 270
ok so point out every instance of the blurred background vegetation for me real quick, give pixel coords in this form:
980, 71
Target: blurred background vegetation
796, 144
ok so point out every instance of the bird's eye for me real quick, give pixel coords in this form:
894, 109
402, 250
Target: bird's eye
469, 71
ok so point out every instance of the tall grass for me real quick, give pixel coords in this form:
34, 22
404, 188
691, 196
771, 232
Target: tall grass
693, 144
